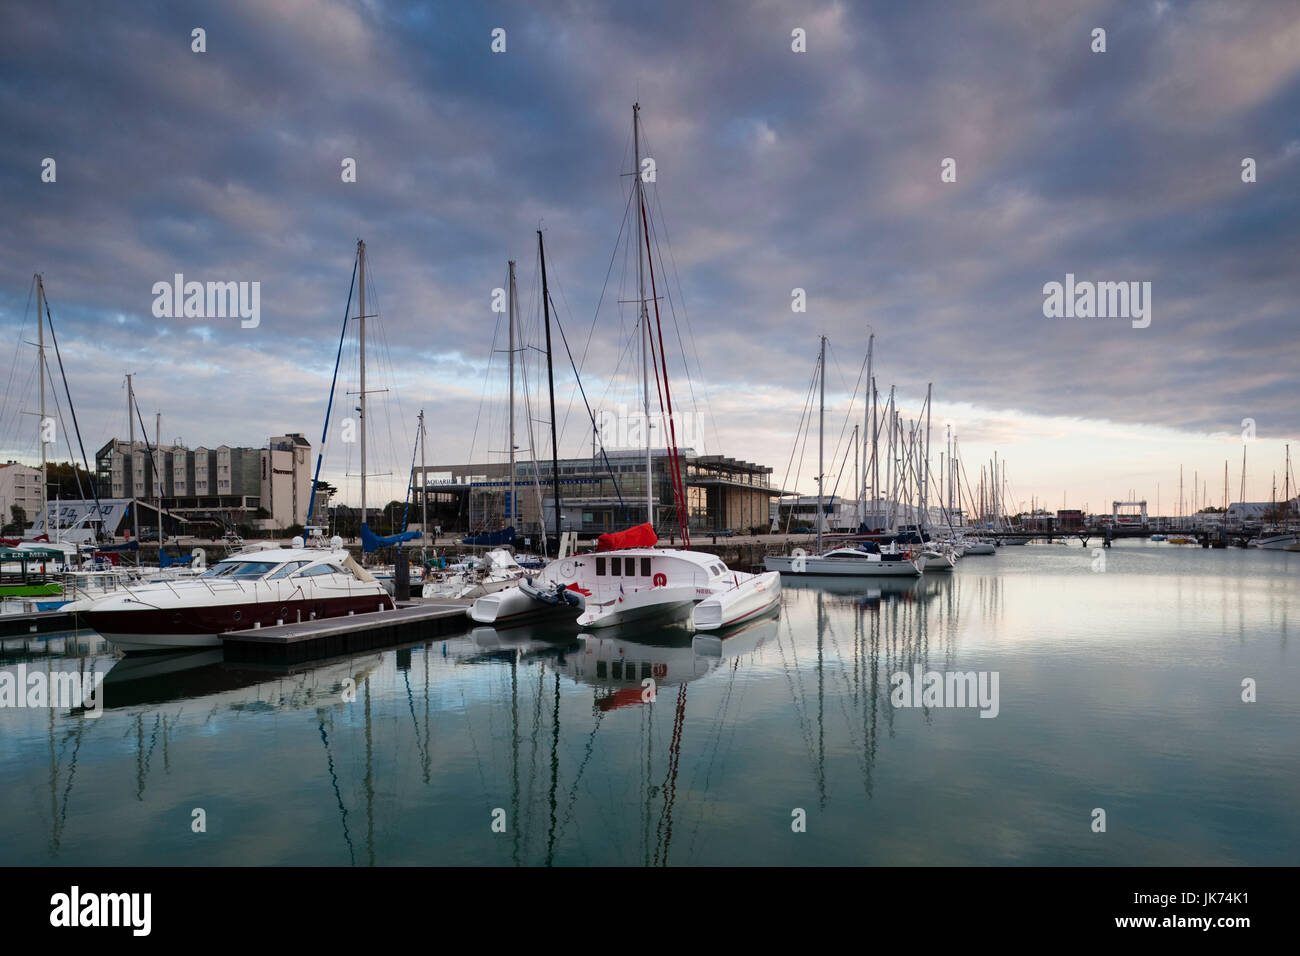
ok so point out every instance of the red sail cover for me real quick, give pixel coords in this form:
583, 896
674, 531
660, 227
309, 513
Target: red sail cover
640, 536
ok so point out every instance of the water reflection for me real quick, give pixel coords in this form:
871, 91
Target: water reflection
659, 746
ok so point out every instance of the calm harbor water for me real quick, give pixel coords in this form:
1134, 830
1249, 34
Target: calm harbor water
1118, 689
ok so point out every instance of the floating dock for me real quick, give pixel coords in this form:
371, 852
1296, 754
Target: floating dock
36, 622
327, 637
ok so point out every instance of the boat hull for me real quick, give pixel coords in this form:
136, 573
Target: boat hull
512, 605
150, 629
740, 604
637, 605
813, 566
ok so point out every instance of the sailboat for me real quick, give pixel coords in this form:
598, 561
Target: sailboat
1279, 538
864, 560
259, 587
628, 578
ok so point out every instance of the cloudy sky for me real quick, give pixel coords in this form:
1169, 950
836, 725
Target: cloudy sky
775, 170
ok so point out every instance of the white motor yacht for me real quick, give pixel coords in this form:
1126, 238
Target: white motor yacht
498, 570
251, 589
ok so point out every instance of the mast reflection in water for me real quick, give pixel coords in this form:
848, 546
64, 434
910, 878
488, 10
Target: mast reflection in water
658, 746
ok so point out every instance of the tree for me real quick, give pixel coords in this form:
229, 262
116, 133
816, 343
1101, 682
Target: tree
17, 520
67, 480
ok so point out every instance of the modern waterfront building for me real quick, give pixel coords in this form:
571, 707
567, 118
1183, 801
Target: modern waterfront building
226, 483
596, 495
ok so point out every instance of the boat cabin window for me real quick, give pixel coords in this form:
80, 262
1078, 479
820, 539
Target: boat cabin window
600, 567
222, 569
616, 566
288, 568
251, 570
645, 567
318, 570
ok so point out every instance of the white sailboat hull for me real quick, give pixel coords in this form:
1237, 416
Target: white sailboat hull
750, 598
816, 566
637, 605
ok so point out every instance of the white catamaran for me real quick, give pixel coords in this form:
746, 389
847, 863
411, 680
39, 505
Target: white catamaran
628, 578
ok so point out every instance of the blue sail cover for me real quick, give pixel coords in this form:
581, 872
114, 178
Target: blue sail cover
165, 560
493, 539
370, 541
129, 546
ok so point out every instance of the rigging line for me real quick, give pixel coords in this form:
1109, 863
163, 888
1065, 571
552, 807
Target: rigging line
22, 327
386, 367
614, 478
76, 471
843, 461
13, 432
805, 430
663, 219
73, 409
487, 371
406, 505
609, 270
315, 480
852, 401
812, 385
674, 458
672, 310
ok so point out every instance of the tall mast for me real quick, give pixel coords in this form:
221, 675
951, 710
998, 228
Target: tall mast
361, 256
40, 362
889, 468
130, 421
158, 472
866, 424
510, 511
645, 315
550, 379
875, 458
1286, 493
855, 474
925, 477
993, 489
424, 484
1242, 492
821, 441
